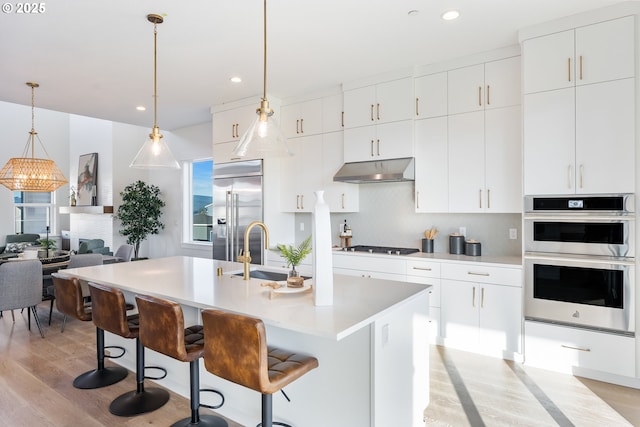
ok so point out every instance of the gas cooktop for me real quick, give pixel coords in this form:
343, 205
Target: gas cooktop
390, 250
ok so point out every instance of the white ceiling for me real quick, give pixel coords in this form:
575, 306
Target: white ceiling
95, 58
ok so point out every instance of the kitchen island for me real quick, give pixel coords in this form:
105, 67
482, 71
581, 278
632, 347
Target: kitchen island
371, 344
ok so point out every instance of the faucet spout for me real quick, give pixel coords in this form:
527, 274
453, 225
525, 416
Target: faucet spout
246, 256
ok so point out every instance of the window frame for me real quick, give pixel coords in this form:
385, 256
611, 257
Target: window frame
188, 205
19, 220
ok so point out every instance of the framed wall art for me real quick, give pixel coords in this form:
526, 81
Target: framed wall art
87, 179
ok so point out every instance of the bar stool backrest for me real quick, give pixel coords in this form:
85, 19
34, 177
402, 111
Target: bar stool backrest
162, 327
109, 310
236, 349
69, 300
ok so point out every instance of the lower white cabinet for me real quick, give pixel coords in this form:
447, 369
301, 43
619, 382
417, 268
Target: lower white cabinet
428, 273
566, 349
383, 267
481, 309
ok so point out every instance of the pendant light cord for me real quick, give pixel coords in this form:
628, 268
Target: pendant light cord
264, 85
155, 78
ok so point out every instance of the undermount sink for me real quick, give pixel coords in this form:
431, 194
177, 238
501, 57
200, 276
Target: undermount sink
267, 275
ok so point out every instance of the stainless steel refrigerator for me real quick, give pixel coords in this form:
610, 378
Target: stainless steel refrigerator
237, 201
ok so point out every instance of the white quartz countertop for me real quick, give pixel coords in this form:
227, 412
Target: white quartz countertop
193, 282
515, 261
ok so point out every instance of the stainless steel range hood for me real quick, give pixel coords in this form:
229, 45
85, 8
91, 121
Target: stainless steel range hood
390, 170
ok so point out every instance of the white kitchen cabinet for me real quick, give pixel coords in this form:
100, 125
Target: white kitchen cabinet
580, 140
230, 125
381, 103
481, 309
301, 179
378, 142
302, 119
370, 266
430, 96
340, 196
590, 54
495, 84
428, 273
432, 172
570, 350
484, 161
332, 113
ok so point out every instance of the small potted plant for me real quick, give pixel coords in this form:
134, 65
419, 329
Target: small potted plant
46, 245
295, 255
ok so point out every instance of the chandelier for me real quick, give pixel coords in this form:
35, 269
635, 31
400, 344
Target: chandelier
28, 173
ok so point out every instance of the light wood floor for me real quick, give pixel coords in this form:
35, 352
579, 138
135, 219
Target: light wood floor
466, 389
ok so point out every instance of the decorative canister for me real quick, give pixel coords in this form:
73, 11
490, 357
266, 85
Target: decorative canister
472, 248
456, 244
427, 246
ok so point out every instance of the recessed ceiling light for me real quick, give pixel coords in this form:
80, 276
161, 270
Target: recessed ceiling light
141, 108
450, 15
235, 79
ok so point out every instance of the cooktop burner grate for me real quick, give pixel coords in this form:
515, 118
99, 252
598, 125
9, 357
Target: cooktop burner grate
389, 250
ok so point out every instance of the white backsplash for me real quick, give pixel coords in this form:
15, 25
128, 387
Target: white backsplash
387, 218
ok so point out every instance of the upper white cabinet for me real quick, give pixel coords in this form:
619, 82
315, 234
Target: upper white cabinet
385, 141
432, 171
302, 119
230, 125
340, 196
332, 113
382, 103
594, 53
579, 130
480, 87
430, 96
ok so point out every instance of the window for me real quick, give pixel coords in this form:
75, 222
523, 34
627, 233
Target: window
32, 211
200, 200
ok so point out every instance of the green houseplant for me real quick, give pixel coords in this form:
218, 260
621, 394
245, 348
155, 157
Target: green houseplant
140, 213
295, 255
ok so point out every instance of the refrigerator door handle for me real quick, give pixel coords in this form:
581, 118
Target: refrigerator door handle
236, 219
228, 225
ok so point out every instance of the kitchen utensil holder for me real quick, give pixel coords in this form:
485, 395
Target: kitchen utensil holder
427, 246
456, 244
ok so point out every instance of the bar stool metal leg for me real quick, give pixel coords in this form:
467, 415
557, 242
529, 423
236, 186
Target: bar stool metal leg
102, 376
139, 401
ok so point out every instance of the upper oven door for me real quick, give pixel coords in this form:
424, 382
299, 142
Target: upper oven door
583, 235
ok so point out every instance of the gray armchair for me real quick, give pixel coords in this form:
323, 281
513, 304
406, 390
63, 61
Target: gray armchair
94, 246
21, 287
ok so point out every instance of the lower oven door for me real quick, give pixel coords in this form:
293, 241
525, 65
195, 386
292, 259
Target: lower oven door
592, 292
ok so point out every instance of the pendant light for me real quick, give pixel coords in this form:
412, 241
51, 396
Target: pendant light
30, 173
155, 153
264, 136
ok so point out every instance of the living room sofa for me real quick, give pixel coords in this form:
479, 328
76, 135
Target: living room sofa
93, 246
15, 244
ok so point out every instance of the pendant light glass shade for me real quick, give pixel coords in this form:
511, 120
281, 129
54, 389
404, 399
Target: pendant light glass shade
155, 153
264, 137
30, 173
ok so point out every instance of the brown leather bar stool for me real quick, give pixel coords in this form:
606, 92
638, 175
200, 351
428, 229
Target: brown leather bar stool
162, 329
236, 350
109, 310
69, 301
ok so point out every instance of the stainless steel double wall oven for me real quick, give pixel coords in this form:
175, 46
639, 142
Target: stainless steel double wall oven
580, 261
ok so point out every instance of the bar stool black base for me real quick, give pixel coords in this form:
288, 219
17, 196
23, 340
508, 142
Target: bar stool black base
205, 421
100, 377
136, 403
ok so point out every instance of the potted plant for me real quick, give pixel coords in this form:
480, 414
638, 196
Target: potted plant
46, 245
295, 255
140, 213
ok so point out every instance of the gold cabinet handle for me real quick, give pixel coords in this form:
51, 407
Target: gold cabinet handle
342, 120
297, 201
378, 111
372, 107
378, 146
488, 95
580, 67
480, 96
570, 172
473, 297
482, 298
298, 126
569, 69
417, 100
422, 268
372, 142
570, 347
581, 173
488, 198
473, 273
302, 201
301, 125
417, 201
480, 197
342, 200
233, 130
